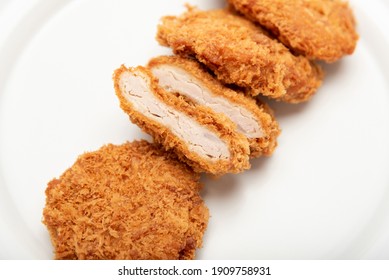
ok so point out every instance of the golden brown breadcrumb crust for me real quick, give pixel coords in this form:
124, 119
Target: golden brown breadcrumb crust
219, 124
319, 29
264, 145
132, 201
241, 53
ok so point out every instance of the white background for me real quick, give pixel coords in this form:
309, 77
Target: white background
323, 195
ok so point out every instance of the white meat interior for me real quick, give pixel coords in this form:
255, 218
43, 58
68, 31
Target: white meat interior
174, 79
135, 88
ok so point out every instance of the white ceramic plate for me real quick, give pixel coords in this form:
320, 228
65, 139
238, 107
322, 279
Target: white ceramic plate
323, 195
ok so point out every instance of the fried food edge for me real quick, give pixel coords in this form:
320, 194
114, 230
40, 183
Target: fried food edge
217, 123
131, 201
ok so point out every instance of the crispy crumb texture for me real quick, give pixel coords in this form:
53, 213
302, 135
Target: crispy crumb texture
132, 201
320, 29
241, 53
204, 129
212, 93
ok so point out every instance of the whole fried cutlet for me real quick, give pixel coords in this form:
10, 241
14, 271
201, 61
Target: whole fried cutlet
189, 78
241, 53
203, 139
132, 201
318, 29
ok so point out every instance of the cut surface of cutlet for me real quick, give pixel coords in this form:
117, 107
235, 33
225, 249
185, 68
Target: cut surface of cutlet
130, 201
320, 29
241, 53
206, 141
189, 78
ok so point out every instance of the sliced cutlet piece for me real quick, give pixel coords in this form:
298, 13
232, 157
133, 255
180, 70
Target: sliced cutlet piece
320, 29
241, 53
206, 141
190, 79
131, 201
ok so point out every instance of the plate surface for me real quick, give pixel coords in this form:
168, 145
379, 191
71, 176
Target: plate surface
323, 195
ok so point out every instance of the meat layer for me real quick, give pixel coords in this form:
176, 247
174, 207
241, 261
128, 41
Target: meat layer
190, 79
206, 141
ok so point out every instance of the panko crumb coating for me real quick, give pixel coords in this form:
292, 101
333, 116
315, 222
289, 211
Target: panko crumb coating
241, 53
218, 127
318, 29
264, 144
130, 201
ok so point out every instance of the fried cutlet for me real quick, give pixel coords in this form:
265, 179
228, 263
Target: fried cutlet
205, 140
318, 29
131, 201
189, 78
241, 53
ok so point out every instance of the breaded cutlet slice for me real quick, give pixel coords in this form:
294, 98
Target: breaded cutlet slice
318, 29
130, 201
190, 79
206, 141
241, 53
